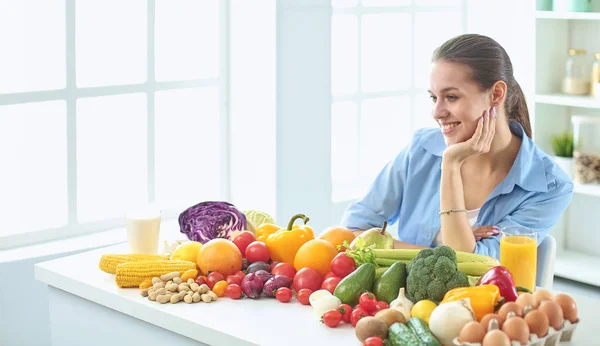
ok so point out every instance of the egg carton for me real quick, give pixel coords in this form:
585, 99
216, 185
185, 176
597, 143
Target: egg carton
553, 338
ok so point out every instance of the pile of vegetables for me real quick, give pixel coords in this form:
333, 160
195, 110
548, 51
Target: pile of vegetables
209, 220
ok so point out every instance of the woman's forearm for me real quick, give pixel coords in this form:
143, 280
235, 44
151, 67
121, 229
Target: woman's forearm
456, 231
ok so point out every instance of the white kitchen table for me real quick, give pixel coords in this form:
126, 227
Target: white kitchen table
87, 308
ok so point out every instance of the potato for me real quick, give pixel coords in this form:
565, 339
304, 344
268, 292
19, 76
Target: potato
370, 326
390, 316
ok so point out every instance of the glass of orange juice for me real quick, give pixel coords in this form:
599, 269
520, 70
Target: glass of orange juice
518, 254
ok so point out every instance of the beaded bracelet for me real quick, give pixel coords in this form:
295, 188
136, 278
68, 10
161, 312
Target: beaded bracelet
447, 212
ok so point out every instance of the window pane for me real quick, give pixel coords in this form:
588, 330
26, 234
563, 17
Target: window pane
35, 135
32, 37
384, 132
386, 56
187, 39
188, 147
343, 3
344, 53
437, 2
427, 39
344, 149
422, 115
111, 155
111, 43
386, 2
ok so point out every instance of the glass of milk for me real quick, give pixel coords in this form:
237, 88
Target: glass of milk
143, 229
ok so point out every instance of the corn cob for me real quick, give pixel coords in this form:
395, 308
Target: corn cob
109, 262
131, 274
409, 254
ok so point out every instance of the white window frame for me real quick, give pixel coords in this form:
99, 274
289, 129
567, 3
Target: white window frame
71, 93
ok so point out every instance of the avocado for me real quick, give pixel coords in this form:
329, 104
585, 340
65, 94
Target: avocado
386, 288
356, 283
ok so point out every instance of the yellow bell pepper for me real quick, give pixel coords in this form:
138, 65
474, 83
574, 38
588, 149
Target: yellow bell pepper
264, 230
483, 298
284, 243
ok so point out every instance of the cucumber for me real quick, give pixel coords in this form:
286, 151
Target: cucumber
421, 330
401, 335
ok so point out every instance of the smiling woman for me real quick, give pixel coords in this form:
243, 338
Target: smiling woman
479, 171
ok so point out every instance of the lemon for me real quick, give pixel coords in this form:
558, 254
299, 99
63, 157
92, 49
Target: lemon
423, 309
187, 251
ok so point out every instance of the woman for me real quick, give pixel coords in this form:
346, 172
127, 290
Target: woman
480, 167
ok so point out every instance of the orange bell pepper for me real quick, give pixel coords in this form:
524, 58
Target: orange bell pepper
483, 298
284, 243
265, 230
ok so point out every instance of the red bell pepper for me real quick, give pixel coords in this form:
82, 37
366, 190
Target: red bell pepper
501, 277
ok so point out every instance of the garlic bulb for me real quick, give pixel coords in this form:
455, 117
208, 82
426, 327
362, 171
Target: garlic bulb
402, 304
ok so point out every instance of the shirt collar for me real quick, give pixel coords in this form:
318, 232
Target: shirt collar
528, 170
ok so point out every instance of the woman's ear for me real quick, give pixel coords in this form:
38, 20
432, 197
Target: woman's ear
498, 92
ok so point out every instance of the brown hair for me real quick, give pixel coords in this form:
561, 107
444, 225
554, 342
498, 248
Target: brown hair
489, 63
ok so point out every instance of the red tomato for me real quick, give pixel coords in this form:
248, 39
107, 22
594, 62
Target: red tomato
284, 269
330, 284
342, 265
346, 311
329, 275
213, 278
383, 305
243, 240
233, 291
332, 318
273, 264
283, 294
257, 252
303, 296
232, 279
357, 314
200, 280
368, 301
373, 341
240, 275
307, 278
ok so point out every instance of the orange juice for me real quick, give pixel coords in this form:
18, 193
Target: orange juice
518, 254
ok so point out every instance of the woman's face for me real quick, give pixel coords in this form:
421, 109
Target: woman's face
458, 102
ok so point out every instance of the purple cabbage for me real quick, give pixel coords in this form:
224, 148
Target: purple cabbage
209, 220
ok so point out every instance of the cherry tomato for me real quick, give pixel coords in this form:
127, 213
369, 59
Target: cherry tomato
200, 280
283, 268
332, 318
233, 291
307, 278
273, 264
373, 341
342, 265
284, 294
257, 252
232, 279
240, 275
368, 301
243, 240
329, 275
346, 311
219, 288
303, 296
383, 305
213, 278
357, 314
330, 284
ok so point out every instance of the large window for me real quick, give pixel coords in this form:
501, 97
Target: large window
381, 53
105, 105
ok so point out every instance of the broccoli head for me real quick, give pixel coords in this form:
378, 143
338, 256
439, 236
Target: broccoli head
432, 273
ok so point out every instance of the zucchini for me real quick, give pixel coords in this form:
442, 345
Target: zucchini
421, 330
401, 335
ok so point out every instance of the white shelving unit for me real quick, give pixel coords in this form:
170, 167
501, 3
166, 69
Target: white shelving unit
578, 233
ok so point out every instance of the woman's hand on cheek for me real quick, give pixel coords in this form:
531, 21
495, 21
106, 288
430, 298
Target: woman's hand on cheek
478, 144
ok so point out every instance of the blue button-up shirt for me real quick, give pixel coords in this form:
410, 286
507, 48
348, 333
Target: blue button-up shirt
534, 193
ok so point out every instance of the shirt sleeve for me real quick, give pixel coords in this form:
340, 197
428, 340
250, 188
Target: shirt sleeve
382, 200
540, 212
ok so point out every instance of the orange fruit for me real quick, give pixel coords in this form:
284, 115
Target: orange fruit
316, 254
219, 255
336, 236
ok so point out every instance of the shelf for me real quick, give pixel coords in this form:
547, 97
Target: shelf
589, 190
568, 15
578, 267
568, 100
